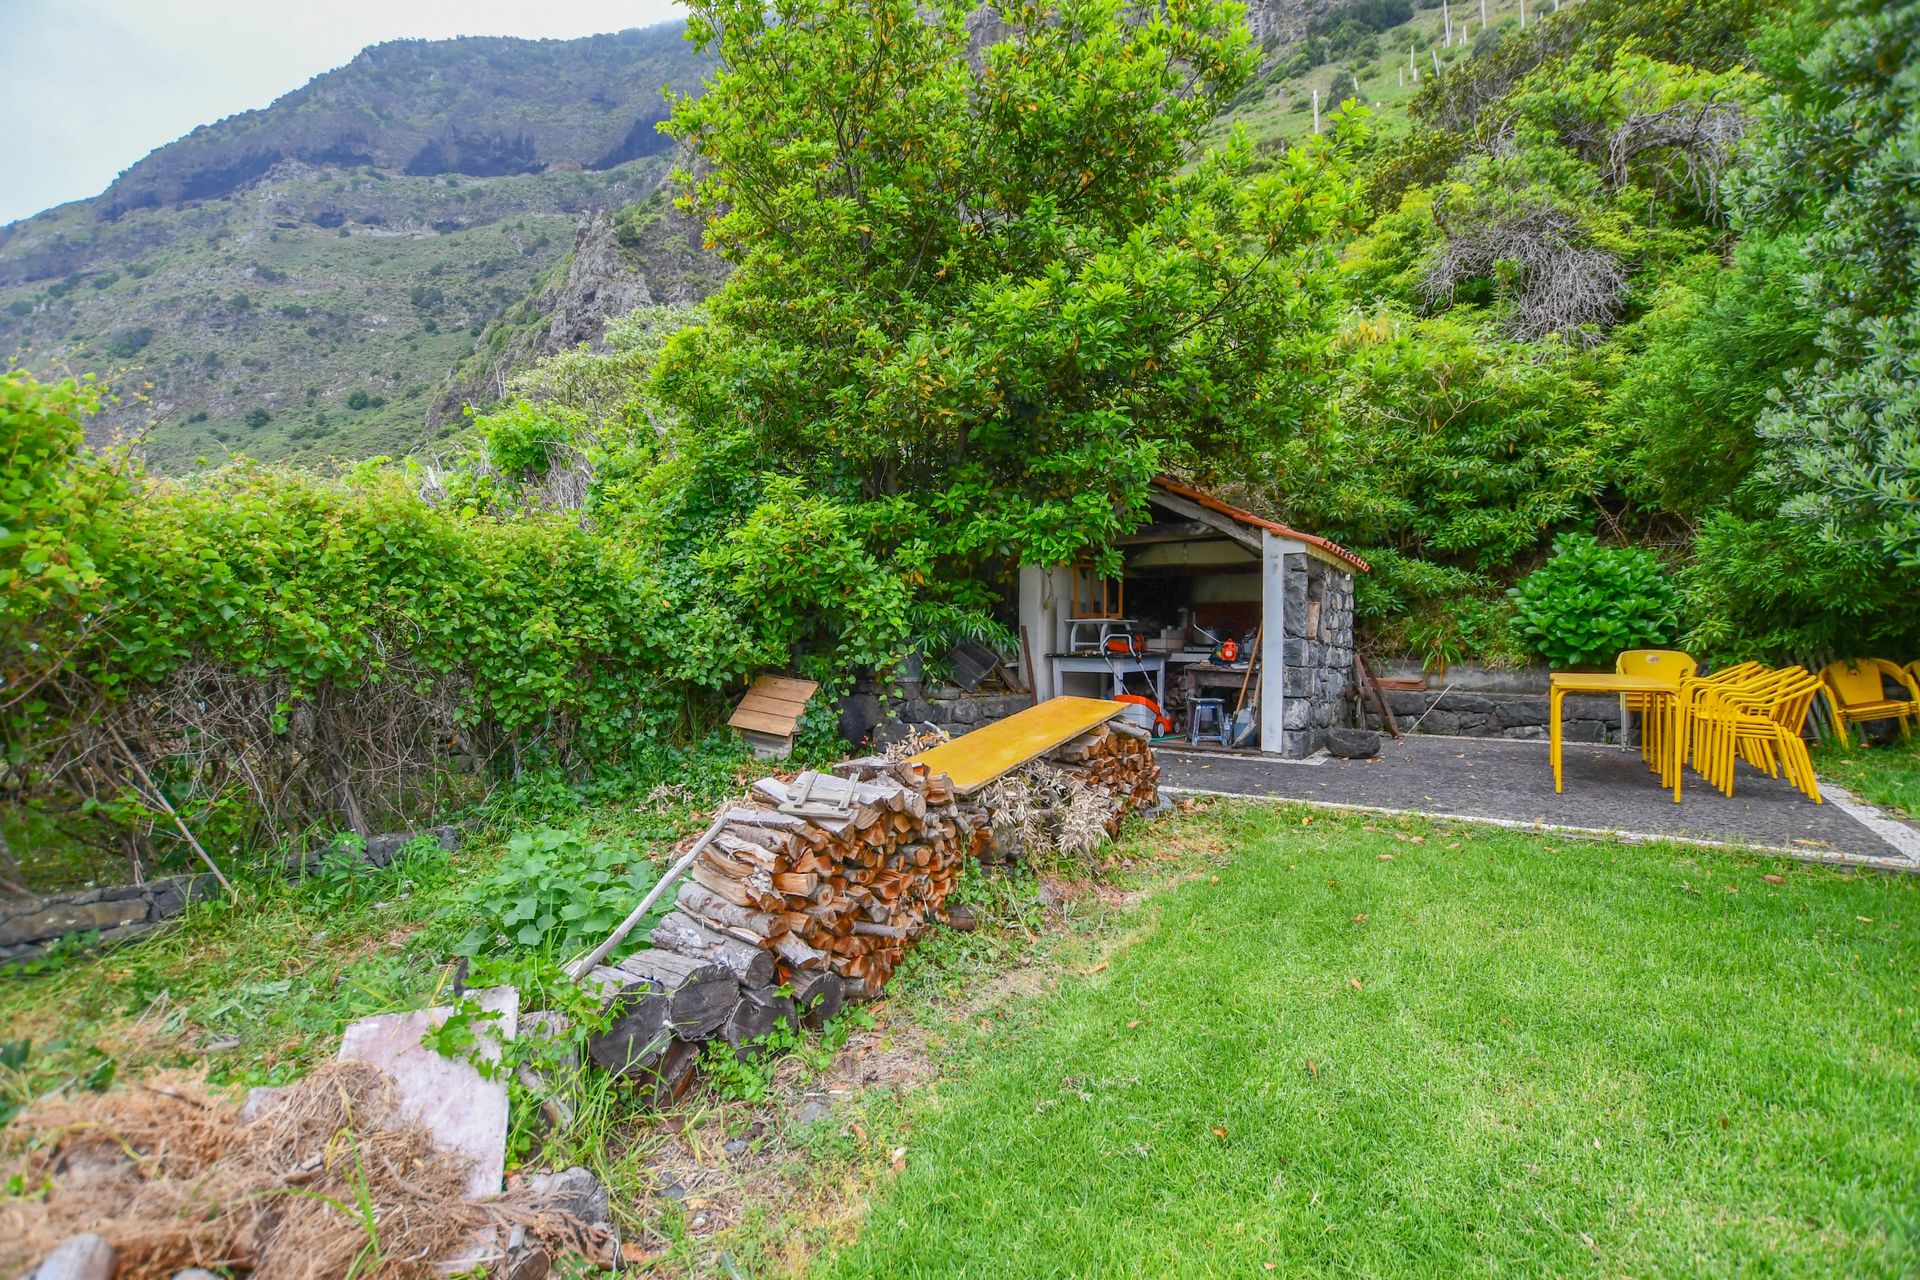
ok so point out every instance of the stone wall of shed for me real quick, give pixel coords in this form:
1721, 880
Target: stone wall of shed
1317, 653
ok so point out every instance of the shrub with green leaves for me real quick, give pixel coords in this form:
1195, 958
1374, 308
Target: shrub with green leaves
557, 892
1589, 602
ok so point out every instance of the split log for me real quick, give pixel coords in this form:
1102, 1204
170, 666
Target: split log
639, 1034
818, 995
700, 993
681, 933
672, 1073
716, 911
760, 1010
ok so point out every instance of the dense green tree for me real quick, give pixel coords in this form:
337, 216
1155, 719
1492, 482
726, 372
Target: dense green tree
1836, 171
1698, 369
982, 296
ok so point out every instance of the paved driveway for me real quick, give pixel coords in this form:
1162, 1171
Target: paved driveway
1607, 789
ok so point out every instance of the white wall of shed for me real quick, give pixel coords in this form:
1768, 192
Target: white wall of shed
1274, 551
1046, 596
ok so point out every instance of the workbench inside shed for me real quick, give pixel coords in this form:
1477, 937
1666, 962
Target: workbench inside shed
1198, 573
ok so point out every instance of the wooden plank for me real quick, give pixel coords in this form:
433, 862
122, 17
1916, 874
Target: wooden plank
772, 705
781, 726
974, 759
787, 687
1227, 525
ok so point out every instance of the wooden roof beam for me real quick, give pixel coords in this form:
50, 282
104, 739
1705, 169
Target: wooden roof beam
1227, 526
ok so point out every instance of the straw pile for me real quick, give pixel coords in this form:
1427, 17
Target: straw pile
175, 1178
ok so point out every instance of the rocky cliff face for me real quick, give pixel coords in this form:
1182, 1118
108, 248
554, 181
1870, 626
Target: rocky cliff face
640, 255
483, 107
298, 281
601, 283
1275, 23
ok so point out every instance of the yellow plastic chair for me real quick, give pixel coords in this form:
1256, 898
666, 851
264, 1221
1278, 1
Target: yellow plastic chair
1856, 691
1706, 702
1666, 664
1692, 689
1761, 723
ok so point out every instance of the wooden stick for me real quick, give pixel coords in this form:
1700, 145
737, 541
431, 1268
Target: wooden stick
1026, 663
1253, 656
584, 965
161, 797
1371, 688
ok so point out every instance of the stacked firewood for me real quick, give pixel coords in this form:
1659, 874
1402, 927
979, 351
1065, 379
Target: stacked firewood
1116, 761
808, 894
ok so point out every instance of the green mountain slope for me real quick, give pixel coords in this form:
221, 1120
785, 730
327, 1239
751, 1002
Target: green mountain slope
1379, 51
303, 281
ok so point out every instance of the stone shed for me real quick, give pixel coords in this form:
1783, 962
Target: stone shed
1201, 577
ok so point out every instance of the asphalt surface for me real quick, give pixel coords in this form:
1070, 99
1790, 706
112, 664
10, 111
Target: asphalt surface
1607, 788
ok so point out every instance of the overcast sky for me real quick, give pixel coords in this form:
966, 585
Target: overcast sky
87, 87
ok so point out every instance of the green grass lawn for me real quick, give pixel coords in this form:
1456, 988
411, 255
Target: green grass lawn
1365, 1048
1887, 775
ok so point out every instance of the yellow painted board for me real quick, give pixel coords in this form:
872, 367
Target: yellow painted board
972, 760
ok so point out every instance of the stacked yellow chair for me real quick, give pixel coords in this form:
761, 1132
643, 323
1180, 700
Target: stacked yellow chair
1855, 692
1759, 718
1667, 664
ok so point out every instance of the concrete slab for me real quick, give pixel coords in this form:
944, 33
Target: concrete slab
465, 1113
1608, 789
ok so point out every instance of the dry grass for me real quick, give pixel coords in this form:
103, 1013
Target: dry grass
327, 1183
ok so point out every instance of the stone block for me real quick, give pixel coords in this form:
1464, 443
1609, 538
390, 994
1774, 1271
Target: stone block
859, 713
1352, 744
171, 896
87, 1257
1296, 597
1468, 704
1296, 713
1407, 702
1583, 731
56, 918
1512, 713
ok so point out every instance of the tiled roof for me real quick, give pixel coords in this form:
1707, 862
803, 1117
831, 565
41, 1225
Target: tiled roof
1240, 516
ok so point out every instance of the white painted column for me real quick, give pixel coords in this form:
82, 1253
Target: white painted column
1273, 640
1043, 606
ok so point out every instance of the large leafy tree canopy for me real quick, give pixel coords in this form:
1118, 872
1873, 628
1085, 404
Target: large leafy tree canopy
984, 293
1836, 176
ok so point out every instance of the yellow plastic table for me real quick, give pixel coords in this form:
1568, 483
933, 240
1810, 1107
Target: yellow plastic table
1666, 696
